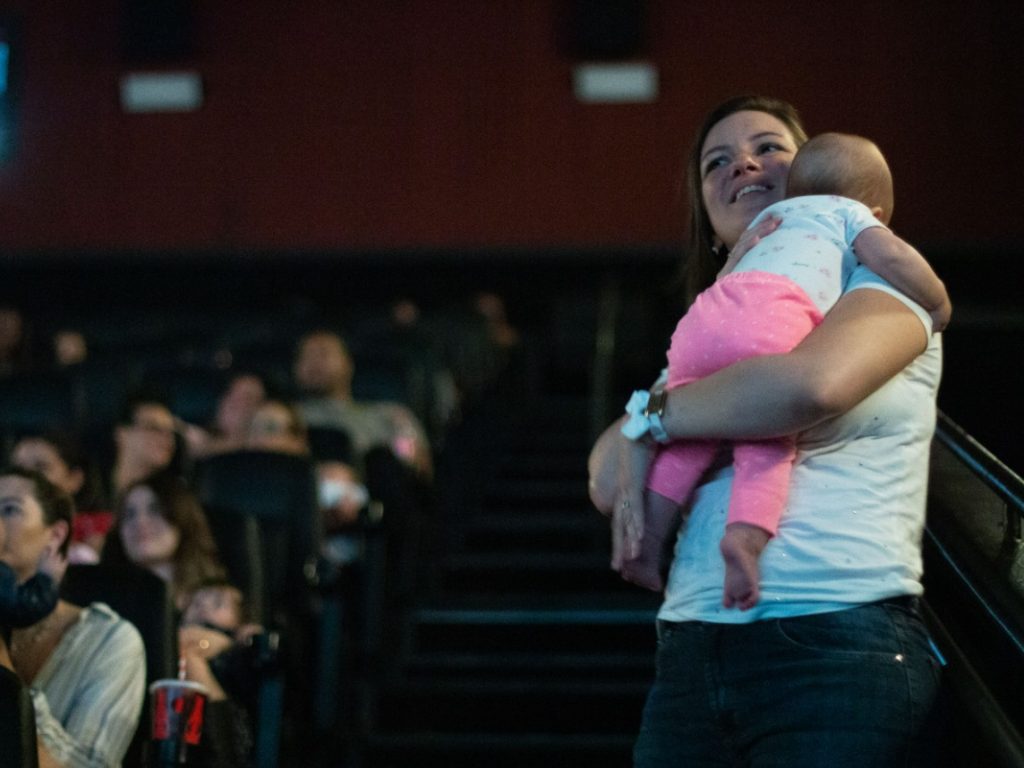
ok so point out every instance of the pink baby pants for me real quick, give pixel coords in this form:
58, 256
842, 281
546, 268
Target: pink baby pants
742, 315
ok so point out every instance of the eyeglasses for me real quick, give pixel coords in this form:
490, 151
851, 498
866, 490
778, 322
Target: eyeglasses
155, 429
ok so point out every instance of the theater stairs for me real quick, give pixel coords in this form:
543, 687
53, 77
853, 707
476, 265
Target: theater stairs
525, 649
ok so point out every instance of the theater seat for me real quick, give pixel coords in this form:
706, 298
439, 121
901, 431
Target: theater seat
143, 599
17, 723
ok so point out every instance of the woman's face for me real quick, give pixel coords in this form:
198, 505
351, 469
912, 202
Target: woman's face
24, 533
148, 539
744, 163
273, 429
40, 456
238, 404
150, 436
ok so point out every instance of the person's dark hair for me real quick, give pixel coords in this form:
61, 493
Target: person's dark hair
196, 558
223, 582
320, 331
55, 503
90, 497
702, 262
139, 398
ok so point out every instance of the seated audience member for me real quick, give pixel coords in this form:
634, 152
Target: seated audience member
144, 441
160, 526
85, 666
69, 348
235, 408
214, 642
15, 350
59, 457
323, 373
278, 427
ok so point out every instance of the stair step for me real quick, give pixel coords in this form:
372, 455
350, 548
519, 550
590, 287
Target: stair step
529, 464
519, 572
532, 631
569, 532
513, 492
636, 664
499, 750
514, 706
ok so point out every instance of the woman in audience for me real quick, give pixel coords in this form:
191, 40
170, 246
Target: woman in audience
160, 526
277, 426
145, 439
58, 457
15, 350
235, 408
85, 666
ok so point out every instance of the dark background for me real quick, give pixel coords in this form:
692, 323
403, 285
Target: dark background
348, 151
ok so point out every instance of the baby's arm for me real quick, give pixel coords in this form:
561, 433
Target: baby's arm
902, 265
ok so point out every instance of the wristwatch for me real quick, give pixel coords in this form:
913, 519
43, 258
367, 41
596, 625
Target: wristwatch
654, 410
645, 409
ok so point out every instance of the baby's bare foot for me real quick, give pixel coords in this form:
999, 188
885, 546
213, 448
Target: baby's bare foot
741, 548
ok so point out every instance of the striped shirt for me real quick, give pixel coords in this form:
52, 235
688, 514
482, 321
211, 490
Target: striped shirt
89, 694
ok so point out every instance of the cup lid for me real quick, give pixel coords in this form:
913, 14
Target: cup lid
173, 682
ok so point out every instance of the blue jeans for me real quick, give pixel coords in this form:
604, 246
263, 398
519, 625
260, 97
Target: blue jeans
842, 689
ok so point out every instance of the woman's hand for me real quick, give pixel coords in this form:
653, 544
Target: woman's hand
618, 469
197, 646
634, 461
197, 670
748, 240
202, 642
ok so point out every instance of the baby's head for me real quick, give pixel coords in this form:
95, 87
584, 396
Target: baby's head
216, 604
846, 165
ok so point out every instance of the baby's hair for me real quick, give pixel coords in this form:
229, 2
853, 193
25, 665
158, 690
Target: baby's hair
846, 165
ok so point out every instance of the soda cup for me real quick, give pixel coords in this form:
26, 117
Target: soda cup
176, 720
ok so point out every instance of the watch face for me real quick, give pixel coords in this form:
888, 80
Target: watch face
656, 404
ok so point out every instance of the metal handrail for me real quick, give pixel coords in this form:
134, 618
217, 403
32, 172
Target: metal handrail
1001, 734
999, 477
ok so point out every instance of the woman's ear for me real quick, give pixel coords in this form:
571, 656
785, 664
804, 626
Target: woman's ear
60, 532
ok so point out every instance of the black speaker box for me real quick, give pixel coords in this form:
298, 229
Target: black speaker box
156, 31
606, 29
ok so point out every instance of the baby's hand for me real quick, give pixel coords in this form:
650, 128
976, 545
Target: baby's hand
748, 240
52, 562
940, 316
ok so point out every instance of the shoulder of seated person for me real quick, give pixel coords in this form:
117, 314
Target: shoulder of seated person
102, 612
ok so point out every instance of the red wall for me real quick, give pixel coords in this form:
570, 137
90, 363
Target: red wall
354, 124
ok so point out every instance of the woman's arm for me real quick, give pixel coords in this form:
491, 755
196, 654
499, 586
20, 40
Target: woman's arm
865, 340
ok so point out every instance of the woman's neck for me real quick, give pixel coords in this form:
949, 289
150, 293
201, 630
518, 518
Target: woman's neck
164, 570
31, 647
